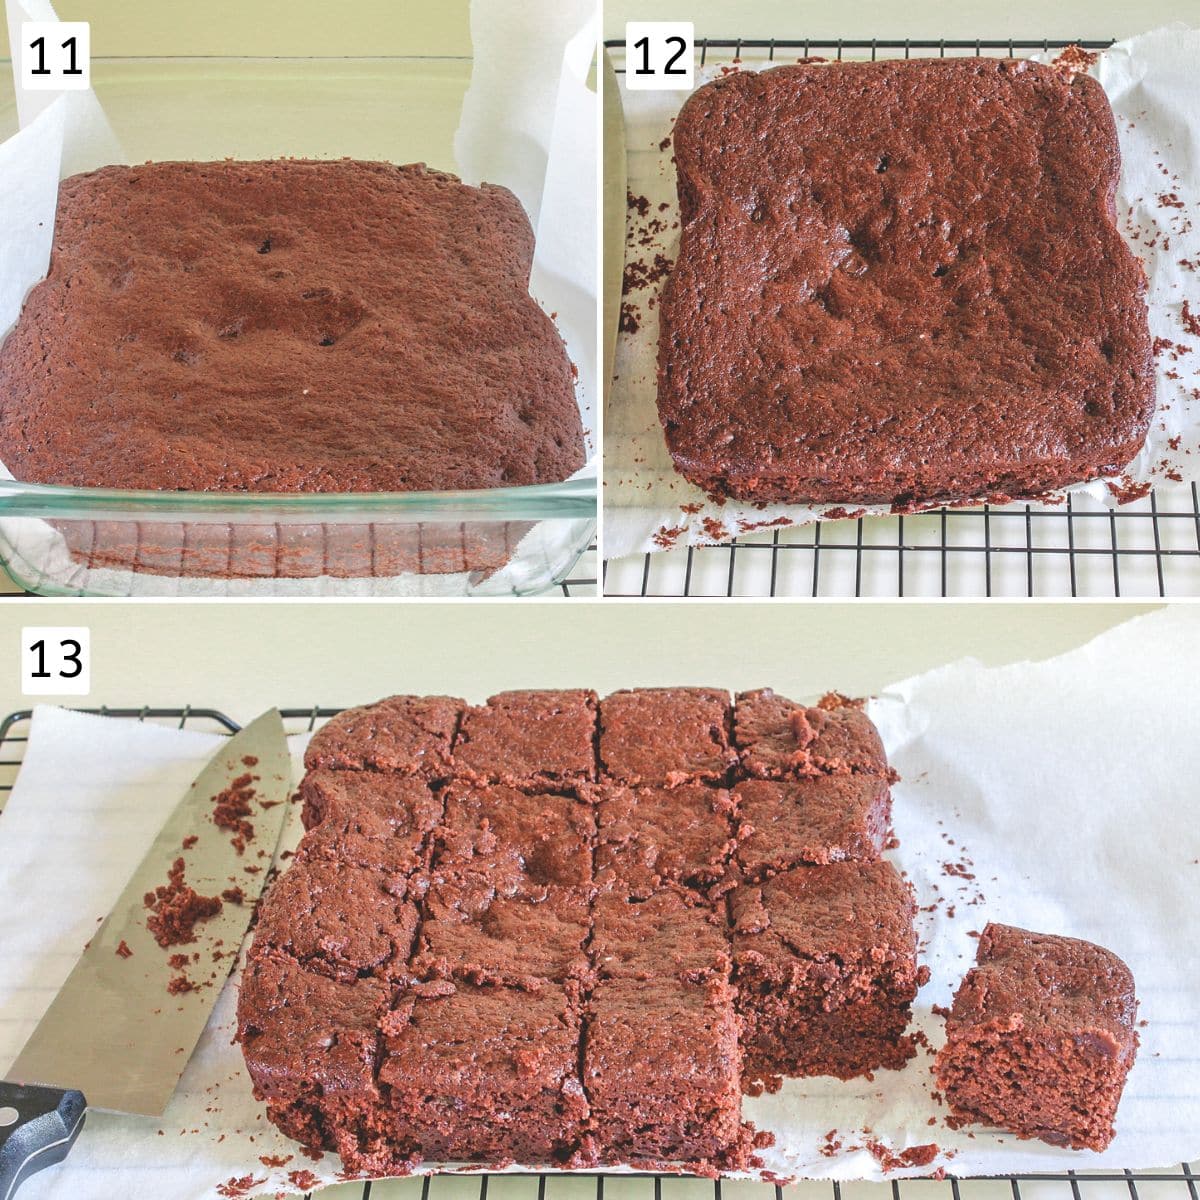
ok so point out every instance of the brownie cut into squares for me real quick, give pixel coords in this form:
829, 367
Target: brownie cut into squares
825, 963
310, 1045
668, 935
339, 919
483, 1074
370, 818
1040, 1038
662, 1070
665, 736
833, 818
650, 835
533, 739
878, 313
778, 738
408, 734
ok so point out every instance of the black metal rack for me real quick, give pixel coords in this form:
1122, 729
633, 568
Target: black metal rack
1180, 1182
1081, 548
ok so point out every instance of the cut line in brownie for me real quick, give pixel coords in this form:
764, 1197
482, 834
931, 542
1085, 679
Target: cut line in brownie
287, 326
650, 836
778, 738
666, 736
826, 971
789, 822
481, 1074
877, 313
530, 739
408, 734
1040, 1038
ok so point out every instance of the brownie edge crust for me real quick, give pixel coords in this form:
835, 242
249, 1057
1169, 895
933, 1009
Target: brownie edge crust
867, 310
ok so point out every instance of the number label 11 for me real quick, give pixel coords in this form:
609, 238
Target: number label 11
56, 56
56, 660
659, 55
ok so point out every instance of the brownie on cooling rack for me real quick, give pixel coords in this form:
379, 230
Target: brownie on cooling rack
901, 283
1040, 1038
408, 734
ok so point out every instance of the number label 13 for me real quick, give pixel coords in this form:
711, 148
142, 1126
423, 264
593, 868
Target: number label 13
659, 55
56, 660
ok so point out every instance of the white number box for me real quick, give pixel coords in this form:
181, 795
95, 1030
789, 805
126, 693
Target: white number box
56, 56
660, 55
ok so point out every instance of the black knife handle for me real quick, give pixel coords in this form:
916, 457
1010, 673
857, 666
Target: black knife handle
46, 1124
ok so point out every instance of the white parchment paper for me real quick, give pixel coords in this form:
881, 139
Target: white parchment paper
1058, 795
1154, 90
533, 130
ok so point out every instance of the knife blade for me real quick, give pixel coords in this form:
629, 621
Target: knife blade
615, 213
122, 1027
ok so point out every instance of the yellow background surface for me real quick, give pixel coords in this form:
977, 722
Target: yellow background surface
271, 27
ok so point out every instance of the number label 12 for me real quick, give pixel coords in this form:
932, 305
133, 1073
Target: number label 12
659, 55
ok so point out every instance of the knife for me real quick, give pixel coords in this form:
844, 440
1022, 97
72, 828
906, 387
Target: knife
122, 1027
615, 213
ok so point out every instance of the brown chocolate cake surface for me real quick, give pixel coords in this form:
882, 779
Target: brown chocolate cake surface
286, 326
901, 282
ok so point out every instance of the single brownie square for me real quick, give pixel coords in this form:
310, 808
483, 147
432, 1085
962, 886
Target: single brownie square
665, 736
483, 1074
833, 818
878, 313
648, 836
476, 932
668, 935
370, 818
662, 1070
521, 841
310, 1046
529, 739
408, 734
1040, 1038
778, 738
825, 962
339, 919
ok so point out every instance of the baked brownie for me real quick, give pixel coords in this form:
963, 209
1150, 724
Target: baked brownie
832, 818
665, 736
408, 734
826, 971
647, 836
668, 935
482, 1074
1040, 1038
529, 739
518, 841
339, 919
776, 738
369, 818
876, 312
662, 1071
310, 1046
287, 326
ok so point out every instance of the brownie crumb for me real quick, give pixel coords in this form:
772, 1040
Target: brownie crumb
123, 950
176, 909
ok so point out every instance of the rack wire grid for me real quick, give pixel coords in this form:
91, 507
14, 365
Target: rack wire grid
1081, 548
1179, 1182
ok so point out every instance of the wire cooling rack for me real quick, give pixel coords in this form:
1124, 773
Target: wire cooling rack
1179, 1182
1080, 548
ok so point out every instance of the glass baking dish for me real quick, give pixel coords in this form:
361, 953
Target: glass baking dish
93, 541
